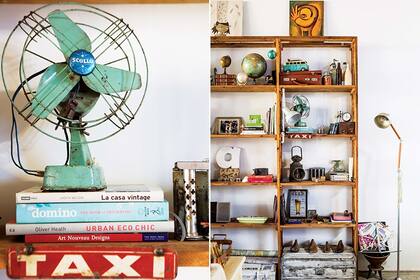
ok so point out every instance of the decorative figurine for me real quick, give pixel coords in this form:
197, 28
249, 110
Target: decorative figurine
295, 65
225, 62
340, 247
242, 78
327, 247
271, 54
269, 80
254, 65
295, 247
313, 248
221, 28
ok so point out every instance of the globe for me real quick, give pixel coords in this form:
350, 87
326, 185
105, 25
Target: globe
254, 65
271, 54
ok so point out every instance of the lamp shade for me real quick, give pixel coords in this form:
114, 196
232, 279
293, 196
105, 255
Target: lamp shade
382, 120
291, 117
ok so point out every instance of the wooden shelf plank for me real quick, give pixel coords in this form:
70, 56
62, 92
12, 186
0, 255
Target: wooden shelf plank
313, 184
108, 1
240, 184
323, 136
243, 225
222, 136
285, 41
318, 88
243, 41
190, 253
244, 88
322, 225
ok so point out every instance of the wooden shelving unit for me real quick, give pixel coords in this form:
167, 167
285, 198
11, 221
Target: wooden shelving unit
279, 43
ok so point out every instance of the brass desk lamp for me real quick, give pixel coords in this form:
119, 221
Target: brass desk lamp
382, 120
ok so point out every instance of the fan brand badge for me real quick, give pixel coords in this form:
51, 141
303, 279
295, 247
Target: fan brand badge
82, 62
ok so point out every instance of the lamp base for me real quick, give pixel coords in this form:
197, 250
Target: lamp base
73, 178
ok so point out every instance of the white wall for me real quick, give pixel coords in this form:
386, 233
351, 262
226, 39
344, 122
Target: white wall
387, 36
171, 125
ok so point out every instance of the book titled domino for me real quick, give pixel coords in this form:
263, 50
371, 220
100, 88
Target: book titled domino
102, 227
91, 212
113, 193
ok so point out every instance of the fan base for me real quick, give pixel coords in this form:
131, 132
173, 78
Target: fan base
73, 178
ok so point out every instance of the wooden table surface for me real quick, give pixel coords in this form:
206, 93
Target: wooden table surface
190, 253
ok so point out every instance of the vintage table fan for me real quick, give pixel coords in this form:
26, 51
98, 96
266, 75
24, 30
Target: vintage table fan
79, 69
301, 106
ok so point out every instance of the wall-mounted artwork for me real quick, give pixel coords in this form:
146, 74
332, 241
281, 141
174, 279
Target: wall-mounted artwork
226, 17
306, 18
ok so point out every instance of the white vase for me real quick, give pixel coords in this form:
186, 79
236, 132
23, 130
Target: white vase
347, 76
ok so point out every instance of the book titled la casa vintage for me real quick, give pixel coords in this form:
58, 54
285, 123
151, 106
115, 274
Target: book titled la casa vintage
105, 237
113, 193
91, 262
91, 212
108, 227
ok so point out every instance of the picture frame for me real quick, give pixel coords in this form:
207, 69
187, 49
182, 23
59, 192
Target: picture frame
297, 204
312, 214
227, 125
306, 18
226, 17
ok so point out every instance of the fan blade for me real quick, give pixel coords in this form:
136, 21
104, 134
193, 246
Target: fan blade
70, 36
105, 79
56, 82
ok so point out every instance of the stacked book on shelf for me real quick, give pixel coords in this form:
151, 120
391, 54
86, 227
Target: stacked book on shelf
254, 126
126, 213
271, 120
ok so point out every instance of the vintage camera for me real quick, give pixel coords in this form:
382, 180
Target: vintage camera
297, 173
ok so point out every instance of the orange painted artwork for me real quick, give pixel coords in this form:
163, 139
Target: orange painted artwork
306, 18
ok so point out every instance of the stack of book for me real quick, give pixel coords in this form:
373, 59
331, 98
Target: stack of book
252, 130
254, 126
128, 213
270, 120
224, 79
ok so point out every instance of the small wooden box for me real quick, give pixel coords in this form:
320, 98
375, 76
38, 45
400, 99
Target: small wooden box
346, 128
305, 265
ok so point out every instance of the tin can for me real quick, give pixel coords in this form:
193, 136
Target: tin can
326, 79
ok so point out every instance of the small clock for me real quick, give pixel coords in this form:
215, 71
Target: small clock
346, 116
